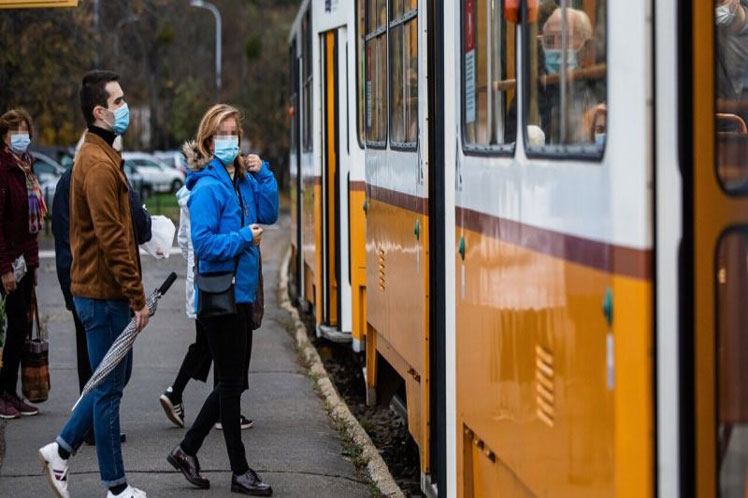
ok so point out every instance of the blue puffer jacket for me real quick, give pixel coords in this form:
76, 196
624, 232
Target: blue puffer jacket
218, 235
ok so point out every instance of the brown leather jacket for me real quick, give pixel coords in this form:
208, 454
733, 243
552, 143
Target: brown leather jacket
106, 261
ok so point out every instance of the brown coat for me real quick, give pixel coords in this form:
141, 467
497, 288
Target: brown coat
106, 261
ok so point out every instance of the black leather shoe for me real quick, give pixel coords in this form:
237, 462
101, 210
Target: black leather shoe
188, 466
250, 484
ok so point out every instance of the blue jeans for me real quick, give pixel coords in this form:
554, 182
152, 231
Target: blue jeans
104, 321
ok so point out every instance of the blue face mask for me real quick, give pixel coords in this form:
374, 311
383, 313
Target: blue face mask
19, 143
121, 120
554, 60
227, 149
600, 138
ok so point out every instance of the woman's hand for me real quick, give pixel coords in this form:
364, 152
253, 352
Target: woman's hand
253, 163
9, 282
256, 234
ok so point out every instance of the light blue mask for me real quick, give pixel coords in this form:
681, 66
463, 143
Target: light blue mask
554, 60
121, 120
19, 143
227, 149
600, 138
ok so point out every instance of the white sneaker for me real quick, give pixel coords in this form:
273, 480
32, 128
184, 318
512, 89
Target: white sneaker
56, 469
129, 492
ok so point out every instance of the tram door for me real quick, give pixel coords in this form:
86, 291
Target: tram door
296, 177
718, 272
334, 281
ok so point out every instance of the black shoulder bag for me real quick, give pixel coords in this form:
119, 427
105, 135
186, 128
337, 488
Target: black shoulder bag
216, 289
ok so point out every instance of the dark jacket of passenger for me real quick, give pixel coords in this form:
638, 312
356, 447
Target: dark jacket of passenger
15, 239
61, 230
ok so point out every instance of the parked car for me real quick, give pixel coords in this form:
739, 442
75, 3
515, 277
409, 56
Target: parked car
48, 172
172, 158
156, 176
136, 181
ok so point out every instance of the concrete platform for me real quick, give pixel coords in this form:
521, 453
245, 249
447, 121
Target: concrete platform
293, 445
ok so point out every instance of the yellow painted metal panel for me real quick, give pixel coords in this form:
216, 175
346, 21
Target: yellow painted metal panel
532, 376
34, 4
357, 227
397, 306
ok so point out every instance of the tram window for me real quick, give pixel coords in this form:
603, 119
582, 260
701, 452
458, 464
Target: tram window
566, 102
732, 358
360, 62
306, 34
403, 75
489, 110
731, 19
375, 88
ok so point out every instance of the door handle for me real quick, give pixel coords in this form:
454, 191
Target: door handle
417, 230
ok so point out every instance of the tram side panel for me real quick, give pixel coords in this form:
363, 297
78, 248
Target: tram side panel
397, 220
553, 386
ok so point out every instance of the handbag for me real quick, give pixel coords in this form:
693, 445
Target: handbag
216, 290
258, 307
35, 381
215, 293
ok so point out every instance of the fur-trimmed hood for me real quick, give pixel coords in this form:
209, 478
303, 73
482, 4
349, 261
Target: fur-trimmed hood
195, 160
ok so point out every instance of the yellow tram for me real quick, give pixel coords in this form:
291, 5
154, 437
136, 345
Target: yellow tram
531, 217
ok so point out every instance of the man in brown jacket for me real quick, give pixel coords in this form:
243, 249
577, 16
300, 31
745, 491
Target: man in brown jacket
105, 282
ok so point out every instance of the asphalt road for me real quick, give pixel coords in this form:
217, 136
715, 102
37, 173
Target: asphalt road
293, 444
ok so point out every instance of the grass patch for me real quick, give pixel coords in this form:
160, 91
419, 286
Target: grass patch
165, 204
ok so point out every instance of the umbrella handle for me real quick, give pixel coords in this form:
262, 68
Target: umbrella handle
167, 283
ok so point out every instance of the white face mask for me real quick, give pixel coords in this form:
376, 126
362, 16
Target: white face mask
723, 14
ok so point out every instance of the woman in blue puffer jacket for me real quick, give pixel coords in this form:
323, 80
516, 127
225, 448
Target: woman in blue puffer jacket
229, 196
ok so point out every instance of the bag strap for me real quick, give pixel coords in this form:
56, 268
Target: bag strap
241, 208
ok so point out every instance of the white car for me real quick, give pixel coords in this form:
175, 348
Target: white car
172, 158
157, 177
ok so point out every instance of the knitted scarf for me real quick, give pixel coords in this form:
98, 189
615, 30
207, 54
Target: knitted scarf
37, 207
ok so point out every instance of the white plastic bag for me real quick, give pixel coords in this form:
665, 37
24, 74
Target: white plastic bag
162, 237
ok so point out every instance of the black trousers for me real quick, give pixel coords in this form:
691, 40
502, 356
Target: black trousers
197, 361
17, 305
230, 342
81, 349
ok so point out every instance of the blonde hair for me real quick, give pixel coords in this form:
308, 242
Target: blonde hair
209, 127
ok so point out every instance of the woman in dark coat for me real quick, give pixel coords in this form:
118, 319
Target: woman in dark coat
22, 212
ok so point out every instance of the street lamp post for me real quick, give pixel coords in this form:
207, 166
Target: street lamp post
209, 6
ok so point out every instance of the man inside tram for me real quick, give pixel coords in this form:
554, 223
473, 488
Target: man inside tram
584, 91
731, 17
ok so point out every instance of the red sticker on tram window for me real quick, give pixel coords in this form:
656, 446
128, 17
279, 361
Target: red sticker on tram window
469, 25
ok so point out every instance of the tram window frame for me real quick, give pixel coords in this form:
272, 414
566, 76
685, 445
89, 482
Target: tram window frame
307, 77
372, 34
402, 21
506, 149
565, 152
360, 72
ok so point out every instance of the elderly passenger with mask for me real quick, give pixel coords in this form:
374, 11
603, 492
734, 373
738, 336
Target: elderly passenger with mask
583, 93
732, 47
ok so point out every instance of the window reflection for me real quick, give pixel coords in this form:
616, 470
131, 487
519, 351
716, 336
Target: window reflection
489, 79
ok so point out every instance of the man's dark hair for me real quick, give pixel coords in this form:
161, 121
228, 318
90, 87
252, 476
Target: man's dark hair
93, 92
